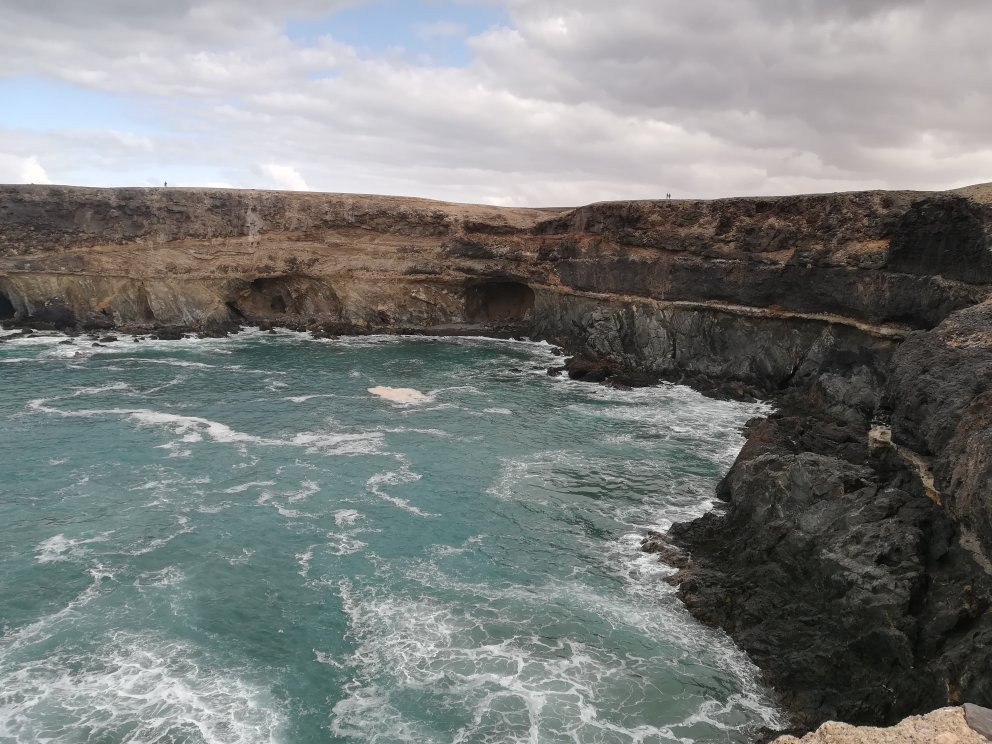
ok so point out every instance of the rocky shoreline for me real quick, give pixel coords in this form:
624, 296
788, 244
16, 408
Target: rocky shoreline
852, 557
967, 724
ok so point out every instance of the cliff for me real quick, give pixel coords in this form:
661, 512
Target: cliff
852, 560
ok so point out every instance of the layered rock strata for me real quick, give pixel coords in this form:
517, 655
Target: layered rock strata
852, 558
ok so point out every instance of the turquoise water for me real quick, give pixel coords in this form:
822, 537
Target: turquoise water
234, 541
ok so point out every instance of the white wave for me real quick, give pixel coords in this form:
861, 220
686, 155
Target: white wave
165, 577
43, 339
307, 489
61, 548
168, 362
240, 560
170, 485
678, 414
404, 475
346, 516
344, 544
138, 689
193, 429
439, 433
365, 443
305, 398
499, 411
185, 527
466, 547
303, 560
515, 681
185, 425
42, 629
324, 658
290, 513
177, 380
110, 387
246, 486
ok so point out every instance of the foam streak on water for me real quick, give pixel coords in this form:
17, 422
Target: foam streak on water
271, 538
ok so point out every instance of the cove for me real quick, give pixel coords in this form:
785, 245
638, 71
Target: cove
232, 540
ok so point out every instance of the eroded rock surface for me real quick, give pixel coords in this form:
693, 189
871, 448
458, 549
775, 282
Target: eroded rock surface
944, 726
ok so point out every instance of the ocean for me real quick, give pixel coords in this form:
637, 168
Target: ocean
234, 540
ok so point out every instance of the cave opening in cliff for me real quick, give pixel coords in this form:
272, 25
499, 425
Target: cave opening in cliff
499, 302
285, 295
7, 309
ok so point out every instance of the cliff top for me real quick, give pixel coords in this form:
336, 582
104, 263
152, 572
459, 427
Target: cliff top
981, 192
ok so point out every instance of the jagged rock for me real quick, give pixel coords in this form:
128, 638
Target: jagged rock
169, 334
941, 396
218, 326
944, 726
841, 579
979, 719
590, 370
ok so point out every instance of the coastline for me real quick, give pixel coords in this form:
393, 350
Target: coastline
860, 597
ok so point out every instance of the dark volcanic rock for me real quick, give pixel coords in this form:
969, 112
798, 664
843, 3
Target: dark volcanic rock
944, 236
53, 315
170, 333
219, 326
941, 396
841, 579
590, 370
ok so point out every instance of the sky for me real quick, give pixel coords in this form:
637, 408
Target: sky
507, 102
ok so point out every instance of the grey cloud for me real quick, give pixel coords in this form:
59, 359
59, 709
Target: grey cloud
579, 100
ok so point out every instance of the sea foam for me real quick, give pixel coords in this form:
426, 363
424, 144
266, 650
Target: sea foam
399, 395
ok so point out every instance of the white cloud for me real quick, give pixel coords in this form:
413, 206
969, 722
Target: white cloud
32, 172
575, 101
284, 177
15, 169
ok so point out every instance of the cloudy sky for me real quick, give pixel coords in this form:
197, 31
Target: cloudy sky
518, 102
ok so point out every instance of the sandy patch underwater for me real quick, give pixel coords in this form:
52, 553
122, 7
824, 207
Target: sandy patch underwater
236, 541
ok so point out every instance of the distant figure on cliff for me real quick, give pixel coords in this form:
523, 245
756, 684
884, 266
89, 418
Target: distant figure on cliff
165, 184
668, 196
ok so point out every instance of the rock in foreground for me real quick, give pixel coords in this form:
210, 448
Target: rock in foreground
944, 726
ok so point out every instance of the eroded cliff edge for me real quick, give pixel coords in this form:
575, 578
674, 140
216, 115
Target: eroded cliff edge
854, 570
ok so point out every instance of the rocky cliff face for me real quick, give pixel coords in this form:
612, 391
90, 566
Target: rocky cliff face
855, 572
